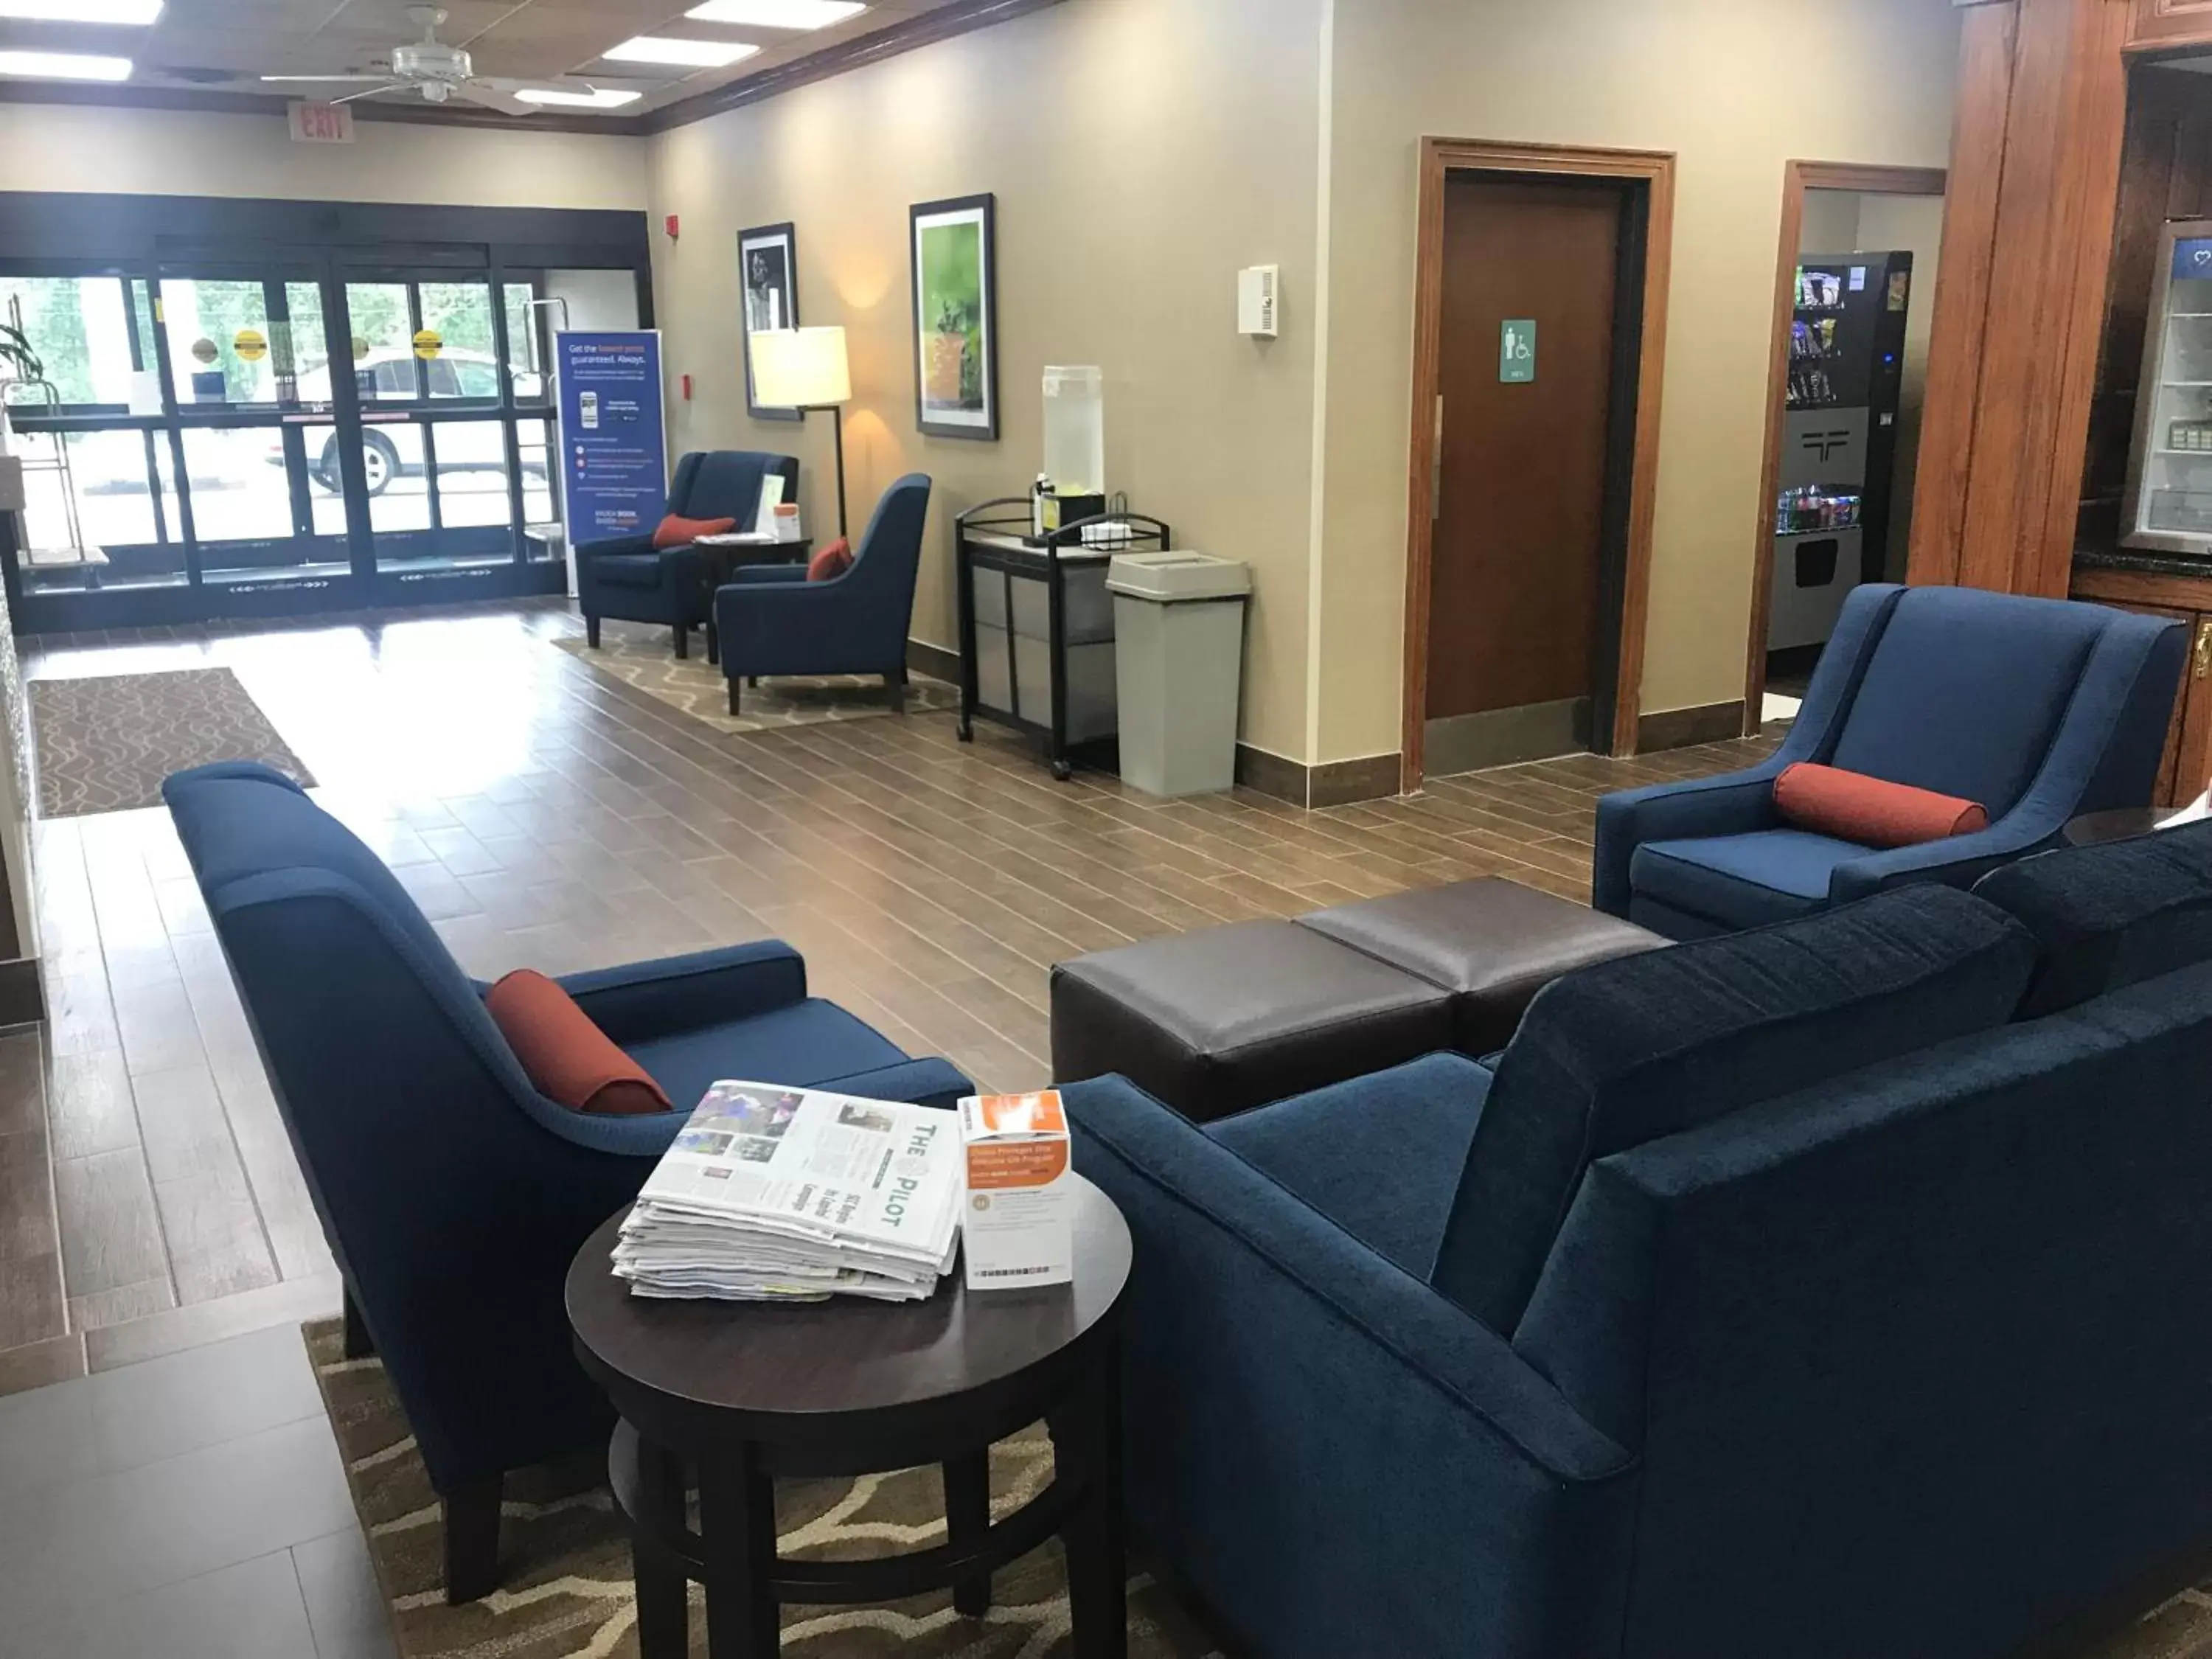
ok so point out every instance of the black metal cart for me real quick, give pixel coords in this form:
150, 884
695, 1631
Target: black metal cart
1036, 626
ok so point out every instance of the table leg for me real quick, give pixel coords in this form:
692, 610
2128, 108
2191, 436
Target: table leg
736, 1526
967, 1519
664, 1615
1087, 1433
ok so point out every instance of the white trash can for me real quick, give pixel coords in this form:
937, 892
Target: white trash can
1179, 668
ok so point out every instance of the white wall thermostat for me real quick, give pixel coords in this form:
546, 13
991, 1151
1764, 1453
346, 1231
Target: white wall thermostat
1258, 301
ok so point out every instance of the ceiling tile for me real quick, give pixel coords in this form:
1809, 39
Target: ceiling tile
233, 43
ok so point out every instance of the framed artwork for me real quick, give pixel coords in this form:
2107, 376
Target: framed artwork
955, 317
768, 262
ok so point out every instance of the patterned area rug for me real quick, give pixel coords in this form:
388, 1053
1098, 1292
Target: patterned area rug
641, 656
105, 743
567, 1589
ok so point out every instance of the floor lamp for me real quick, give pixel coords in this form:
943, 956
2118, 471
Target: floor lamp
806, 369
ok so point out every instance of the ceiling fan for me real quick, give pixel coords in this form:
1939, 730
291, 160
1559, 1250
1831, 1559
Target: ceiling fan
429, 66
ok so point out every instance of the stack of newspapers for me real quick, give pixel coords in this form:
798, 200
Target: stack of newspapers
777, 1194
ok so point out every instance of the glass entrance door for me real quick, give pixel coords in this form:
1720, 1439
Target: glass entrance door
448, 479
246, 354
282, 430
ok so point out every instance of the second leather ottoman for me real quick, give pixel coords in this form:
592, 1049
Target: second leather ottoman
1492, 944
1214, 1021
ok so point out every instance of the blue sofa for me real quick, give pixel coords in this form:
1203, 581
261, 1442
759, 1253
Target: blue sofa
1792, 1292
2039, 709
625, 578
772, 621
452, 1195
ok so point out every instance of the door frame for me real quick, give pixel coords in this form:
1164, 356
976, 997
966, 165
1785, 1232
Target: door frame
1652, 170
1797, 177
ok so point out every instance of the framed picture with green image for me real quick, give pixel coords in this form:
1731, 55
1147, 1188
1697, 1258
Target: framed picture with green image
955, 317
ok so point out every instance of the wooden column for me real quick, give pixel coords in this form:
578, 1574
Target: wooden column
2020, 305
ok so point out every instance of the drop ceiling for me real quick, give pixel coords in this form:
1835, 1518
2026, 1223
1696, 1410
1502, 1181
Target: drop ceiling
226, 46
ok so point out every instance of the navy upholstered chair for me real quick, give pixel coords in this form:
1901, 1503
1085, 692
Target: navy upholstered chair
1776, 1294
452, 1195
2039, 709
625, 578
772, 621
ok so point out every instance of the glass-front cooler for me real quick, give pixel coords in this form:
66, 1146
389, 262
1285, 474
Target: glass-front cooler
2169, 502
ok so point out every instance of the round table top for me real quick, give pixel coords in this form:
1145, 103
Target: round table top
2125, 823
847, 1354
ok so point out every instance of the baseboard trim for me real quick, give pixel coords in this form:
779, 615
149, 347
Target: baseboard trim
1332, 783
1683, 728
22, 999
934, 660
1507, 737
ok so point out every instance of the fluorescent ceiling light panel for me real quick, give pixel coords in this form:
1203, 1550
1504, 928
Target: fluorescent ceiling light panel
64, 66
776, 14
597, 98
691, 54
135, 13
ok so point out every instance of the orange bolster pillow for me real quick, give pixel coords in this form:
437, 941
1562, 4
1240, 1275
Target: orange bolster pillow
675, 531
831, 562
1872, 812
568, 1058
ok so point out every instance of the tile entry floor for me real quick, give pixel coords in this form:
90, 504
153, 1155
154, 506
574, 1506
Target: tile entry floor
171, 1485
191, 1507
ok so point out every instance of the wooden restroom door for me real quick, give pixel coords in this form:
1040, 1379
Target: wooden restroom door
1525, 507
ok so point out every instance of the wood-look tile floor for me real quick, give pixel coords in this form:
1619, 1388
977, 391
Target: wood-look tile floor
546, 816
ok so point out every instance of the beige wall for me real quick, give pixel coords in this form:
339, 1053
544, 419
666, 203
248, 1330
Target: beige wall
62, 147
1141, 151
1736, 87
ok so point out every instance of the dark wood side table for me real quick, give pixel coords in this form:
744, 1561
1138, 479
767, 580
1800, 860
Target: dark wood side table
2096, 829
717, 561
727, 1396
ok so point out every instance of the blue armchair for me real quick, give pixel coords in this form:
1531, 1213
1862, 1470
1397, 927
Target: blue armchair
625, 578
1857, 1325
452, 1195
2039, 709
772, 621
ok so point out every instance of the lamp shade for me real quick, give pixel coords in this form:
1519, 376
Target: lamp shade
801, 369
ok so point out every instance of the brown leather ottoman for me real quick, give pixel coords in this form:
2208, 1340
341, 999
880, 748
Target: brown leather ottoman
1214, 1021
1492, 944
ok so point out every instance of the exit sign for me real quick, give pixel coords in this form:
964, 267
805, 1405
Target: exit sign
321, 123
1516, 351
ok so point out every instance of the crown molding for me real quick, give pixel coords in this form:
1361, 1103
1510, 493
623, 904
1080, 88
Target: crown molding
922, 29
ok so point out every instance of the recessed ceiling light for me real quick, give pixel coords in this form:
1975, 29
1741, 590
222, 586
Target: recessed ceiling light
777, 14
64, 66
138, 13
597, 98
697, 54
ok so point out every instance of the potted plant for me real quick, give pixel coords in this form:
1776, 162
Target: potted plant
948, 352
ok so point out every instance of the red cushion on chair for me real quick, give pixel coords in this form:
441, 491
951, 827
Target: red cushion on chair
676, 531
831, 562
568, 1058
1872, 812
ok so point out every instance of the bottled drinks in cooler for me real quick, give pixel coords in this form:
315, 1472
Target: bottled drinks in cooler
1814, 507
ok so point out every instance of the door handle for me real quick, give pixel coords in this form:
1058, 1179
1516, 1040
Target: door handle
1436, 464
2203, 649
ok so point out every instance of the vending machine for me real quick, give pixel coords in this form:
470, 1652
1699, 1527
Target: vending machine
2169, 500
1839, 440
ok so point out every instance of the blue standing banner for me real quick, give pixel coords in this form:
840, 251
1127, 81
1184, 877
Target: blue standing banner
614, 443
